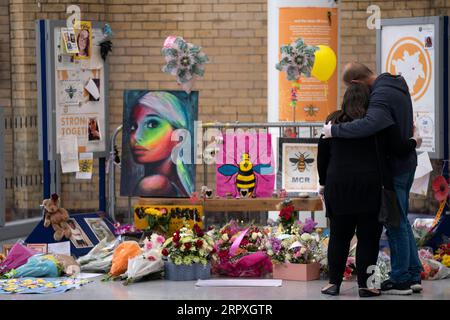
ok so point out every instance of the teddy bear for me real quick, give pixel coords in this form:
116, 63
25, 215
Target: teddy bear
56, 217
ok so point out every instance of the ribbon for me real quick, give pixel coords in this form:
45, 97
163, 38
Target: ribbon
237, 242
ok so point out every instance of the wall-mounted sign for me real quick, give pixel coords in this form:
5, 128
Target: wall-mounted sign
413, 48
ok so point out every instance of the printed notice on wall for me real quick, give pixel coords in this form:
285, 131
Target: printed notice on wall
86, 166
69, 154
409, 51
316, 26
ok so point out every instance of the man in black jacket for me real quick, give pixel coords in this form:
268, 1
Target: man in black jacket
390, 103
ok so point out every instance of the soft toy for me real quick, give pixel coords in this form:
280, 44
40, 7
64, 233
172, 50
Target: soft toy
56, 217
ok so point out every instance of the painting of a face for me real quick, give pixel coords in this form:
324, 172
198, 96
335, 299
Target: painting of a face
152, 164
150, 135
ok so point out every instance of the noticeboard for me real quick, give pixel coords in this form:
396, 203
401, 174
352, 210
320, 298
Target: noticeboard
414, 48
66, 90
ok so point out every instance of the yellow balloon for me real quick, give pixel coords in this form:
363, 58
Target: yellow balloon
324, 63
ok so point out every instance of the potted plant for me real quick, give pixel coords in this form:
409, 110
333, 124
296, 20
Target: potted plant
188, 253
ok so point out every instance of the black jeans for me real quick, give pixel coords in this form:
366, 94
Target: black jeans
342, 230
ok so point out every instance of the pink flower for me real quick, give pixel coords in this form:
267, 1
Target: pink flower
151, 258
440, 188
160, 239
149, 246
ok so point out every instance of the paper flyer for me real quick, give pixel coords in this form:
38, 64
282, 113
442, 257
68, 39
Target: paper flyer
422, 176
86, 164
68, 145
69, 40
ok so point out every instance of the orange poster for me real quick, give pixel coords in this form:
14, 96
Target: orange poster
315, 99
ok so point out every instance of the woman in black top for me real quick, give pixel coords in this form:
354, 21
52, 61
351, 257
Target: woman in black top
350, 170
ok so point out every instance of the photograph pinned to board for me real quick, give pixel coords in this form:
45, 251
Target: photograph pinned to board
78, 238
68, 147
93, 89
69, 40
84, 40
86, 164
93, 130
298, 165
153, 164
100, 229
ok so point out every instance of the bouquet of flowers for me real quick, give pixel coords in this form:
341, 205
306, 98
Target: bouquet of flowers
241, 252
443, 254
158, 220
148, 263
286, 215
40, 266
188, 246
303, 245
99, 259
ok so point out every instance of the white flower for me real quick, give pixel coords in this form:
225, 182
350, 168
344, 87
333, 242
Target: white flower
305, 237
270, 253
302, 250
259, 234
288, 256
254, 235
225, 237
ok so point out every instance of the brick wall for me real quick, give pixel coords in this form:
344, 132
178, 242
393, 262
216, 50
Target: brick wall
5, 92
232, 32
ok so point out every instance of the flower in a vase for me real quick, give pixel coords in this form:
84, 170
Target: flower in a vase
165, 252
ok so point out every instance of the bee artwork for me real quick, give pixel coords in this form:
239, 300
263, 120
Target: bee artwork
298, 165
302, 161
245, 169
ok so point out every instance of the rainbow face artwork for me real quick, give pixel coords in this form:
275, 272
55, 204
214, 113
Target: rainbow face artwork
150, 135
151, 119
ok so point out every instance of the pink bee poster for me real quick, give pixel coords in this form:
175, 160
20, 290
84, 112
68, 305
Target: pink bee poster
245, 166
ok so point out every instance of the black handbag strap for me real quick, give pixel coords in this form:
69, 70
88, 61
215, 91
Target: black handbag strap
380, 170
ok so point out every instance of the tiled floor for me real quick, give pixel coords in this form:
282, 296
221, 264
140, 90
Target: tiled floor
171, 290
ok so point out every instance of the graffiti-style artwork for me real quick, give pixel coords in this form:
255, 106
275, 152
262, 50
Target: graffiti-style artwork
157, 148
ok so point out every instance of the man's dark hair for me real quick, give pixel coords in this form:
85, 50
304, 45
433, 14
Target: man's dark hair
356, 71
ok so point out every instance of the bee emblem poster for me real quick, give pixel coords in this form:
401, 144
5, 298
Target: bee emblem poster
245, 166
298, 165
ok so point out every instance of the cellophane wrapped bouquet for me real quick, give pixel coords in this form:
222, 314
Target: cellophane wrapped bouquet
99, 259
435, 266
188, 246
241, 252
147, 264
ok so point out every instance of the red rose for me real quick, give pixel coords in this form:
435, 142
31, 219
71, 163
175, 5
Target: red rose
213, 251
223, 254
244, 242
199, 243
177, 245
176, 237
198, 231
188, 245
165, 252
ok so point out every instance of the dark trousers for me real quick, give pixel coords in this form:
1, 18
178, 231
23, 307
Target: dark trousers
342, 230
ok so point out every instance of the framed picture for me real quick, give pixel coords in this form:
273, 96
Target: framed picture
39, 247
157, 150
298, 165
100, 229
78, 238
7, 248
